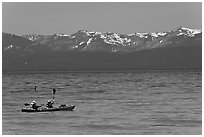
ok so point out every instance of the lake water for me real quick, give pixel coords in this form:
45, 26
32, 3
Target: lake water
108, 103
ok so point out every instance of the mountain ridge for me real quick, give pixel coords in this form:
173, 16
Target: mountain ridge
108, 41
180, 48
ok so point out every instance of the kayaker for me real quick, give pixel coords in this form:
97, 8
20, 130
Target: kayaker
34, 105
50, 103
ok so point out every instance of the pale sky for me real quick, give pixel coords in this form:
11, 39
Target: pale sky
124, 18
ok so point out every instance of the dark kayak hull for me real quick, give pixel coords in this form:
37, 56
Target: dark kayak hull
45, 109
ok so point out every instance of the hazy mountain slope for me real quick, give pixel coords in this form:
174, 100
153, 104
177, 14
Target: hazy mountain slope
181, 57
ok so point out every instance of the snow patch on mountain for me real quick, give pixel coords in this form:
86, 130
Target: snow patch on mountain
89, 41
81, 43
154, 34
142, 35
75, 47
132, 34
193, 31
179, 34
187, 31
114, 50
145, 35
114, 38
32, 38
9, 47
90, 33
161, 33
62, 35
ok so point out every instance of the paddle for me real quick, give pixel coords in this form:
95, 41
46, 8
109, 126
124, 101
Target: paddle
26, 104
54, 91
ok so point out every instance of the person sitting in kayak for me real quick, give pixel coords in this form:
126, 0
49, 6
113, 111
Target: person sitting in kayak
34, 105
50, 103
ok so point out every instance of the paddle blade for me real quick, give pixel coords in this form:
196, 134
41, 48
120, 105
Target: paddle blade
26, 104
54, 91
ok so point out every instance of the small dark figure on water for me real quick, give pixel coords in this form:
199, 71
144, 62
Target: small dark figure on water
34, 105
35, 88
50, 103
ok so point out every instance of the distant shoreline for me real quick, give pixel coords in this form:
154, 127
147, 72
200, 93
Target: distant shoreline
98, 71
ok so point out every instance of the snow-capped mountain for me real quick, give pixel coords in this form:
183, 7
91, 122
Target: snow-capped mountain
180, 48
107, 41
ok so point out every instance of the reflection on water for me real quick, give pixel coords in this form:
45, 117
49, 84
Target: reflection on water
106, 103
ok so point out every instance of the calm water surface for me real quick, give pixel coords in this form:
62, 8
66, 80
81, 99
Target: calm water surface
106, 103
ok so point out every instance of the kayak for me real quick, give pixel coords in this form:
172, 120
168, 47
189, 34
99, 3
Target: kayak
46, 109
